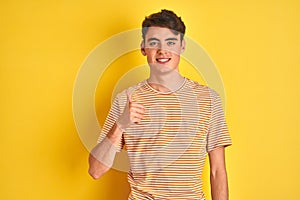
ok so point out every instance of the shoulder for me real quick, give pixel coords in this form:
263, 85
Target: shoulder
122, 96
201, 90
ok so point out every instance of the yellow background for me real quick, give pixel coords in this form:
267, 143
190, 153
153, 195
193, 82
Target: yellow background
255, 45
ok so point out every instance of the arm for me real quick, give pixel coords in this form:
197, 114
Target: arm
106, 152
102, 156
218, 175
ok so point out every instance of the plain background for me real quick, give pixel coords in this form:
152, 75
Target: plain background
255, 45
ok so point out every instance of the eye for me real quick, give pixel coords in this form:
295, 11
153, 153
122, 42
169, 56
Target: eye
153, 43
170, 43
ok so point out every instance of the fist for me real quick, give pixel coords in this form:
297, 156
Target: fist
133, 113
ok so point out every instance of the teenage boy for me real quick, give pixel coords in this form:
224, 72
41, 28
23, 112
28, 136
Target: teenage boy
168, 123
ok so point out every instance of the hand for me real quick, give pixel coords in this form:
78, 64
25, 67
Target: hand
133, 113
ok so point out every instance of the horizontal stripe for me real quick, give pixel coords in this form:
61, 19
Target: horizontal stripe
167, 149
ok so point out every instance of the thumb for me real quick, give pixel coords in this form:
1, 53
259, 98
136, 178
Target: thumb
128, 96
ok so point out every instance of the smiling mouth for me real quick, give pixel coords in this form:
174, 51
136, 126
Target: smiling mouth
162, 60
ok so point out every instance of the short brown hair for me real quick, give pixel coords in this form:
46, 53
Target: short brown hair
166, 19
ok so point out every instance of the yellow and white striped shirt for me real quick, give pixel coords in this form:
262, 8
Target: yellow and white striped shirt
167, 149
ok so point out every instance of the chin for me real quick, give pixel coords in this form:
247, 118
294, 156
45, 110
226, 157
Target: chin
162, 68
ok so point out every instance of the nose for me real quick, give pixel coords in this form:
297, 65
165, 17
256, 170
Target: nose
162, 48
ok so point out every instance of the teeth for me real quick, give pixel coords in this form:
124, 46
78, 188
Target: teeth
162, 59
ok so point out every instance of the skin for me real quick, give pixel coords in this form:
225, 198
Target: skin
135, 113
218, 174
161, 43
162, 49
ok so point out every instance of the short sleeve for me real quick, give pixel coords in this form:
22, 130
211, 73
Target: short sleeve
218, 134
113, 115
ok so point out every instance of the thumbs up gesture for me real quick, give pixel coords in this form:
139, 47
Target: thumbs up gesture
133, 113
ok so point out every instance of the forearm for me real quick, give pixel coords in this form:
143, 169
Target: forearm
102, 156
115, 135
219, 185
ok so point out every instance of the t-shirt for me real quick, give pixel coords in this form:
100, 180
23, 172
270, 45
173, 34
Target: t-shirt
167, 149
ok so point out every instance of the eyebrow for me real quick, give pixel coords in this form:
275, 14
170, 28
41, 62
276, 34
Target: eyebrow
151, 39
168, 39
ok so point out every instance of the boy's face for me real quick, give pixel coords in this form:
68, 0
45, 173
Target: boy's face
162, 48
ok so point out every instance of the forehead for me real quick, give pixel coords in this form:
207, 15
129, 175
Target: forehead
160, 33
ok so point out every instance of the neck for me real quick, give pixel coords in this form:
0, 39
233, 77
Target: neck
166, 82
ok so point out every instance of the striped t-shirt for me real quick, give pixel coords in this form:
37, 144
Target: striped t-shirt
167, 149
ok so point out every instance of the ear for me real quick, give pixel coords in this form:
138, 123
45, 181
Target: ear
182, 46
143, 48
